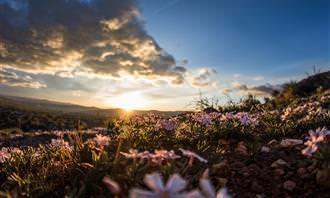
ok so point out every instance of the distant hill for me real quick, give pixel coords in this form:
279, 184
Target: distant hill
310, 84
34, 114
68, 108
303, 88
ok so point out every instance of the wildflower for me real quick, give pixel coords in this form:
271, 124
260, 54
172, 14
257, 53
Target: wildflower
60, 143
145, 155
209, 190
4, 154
132, 153
246, 119
16, 150
161, 155
315, 138
228, 116
59, 134
192, 156
102, 140
112, 185
168, 125
172, 189
202, 118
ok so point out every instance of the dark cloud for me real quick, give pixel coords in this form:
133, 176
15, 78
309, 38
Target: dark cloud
81, 37
261, 90
12, 79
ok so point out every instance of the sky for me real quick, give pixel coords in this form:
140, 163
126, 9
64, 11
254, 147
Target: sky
158, 54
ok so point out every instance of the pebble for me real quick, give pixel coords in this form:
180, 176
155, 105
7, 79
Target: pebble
290, 142
265, 149
278, 163
289, 185
301, 172
279, 172
272, 142
241, 149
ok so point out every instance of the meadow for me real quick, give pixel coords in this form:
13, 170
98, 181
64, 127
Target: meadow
243, 150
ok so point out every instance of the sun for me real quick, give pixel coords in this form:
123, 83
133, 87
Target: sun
129, 101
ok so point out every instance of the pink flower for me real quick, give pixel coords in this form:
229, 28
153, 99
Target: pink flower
163, 155
192, 156
60, 143
112, 185
102, 140
4, 154
133, 153
315, 137
173, 188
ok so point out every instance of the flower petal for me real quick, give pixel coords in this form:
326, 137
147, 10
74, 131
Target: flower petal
207, 187
194, 194
176, 183
223, 193
138, 193
154, 182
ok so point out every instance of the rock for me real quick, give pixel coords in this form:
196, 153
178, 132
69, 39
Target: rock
301, 172
256, 187
279, 172
272, 142
222, 165
289, 185
311, 168
265, 149
223, 142
278, 163
241, 149
290, 142
237, 165
222, 181
323, 177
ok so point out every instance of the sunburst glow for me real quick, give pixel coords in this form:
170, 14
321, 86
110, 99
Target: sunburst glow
129, 101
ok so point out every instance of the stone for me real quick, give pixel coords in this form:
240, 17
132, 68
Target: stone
265, 149
290, 142
256, 187
279, 172
301, 172
272, 142
323, 177
289, 185
278, 163
241, 149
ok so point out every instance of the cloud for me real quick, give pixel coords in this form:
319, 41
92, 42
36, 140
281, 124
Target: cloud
67, 38
203, 79
12, 79
260, 90
258, 78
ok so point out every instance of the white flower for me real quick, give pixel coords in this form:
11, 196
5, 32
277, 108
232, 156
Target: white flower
192, 155
173, 188
210, 192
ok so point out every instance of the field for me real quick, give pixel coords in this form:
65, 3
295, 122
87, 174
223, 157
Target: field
243, 150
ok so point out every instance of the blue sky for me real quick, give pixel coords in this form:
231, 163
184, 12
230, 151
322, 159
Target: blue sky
272, 38
162, 53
